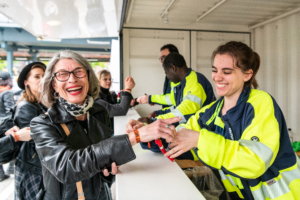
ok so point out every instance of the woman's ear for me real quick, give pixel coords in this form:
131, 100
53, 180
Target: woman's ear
54, 85
248, 75
25, 83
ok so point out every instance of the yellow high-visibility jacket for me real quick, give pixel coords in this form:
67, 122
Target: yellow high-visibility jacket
186, 97
250, 147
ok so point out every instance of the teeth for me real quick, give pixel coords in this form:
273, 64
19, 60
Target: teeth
75, 88
221, 85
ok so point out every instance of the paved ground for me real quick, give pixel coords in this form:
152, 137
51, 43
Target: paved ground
7, 187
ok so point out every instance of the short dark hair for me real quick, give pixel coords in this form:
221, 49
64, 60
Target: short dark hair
174, 59
170, 47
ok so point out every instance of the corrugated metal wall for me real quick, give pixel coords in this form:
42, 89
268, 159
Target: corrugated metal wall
278, 43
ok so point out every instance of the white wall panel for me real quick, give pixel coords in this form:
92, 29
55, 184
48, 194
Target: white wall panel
141, 53
277, 43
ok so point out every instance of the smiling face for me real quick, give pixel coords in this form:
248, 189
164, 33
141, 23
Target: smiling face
74, 90
33, 81
228, 78
105, 81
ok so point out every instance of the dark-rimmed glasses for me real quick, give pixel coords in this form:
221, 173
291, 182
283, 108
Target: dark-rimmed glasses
162, 58
63, 75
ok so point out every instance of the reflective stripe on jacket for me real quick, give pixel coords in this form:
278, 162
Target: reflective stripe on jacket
187, 97
250, 146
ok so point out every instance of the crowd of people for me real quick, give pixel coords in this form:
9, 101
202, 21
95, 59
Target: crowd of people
65, 138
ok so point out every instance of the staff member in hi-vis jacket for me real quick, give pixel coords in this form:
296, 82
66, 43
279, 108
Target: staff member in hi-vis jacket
244, 133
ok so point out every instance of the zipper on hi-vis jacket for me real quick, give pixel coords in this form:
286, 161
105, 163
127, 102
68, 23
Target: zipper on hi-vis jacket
231, 133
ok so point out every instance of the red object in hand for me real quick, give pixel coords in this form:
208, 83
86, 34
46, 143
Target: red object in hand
163, 150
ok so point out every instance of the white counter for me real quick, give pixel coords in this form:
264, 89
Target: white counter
151, 175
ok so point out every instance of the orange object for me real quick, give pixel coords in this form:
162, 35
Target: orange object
16, 137
137, 136
149, 144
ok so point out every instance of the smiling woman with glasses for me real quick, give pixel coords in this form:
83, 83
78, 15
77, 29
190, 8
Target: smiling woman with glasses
74, 138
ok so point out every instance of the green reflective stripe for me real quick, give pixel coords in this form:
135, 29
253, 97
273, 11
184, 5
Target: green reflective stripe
168, 100
179, 127
177, 113
260, 149
219, 122
230, 184
228, 177
280, 187
193, 98
219, 106
237, 182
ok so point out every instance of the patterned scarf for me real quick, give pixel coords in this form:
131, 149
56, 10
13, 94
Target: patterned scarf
75, 109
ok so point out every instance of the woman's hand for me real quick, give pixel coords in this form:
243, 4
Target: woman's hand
159, 129
129, 83
114, 170
143, 99
133, 124
184, 141
24, 134
12, 130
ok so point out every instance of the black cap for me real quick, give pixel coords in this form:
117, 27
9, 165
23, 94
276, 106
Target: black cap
25, 71
4, 76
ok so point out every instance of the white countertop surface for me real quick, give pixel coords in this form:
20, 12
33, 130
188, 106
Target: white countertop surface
151, 175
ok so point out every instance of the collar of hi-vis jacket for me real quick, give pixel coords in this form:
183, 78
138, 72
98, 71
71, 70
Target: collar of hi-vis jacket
233, 115
58, 114
183, 81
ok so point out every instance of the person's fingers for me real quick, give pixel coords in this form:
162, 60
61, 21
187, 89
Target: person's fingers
172, 120
127, 79
27, 128
15, 128
105, 172
139, 99
114, 168
167, 137
172, 151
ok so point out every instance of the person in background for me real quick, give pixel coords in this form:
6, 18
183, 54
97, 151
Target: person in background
244, 133
28, 169
109, 99
73, 139
121, 108
160, 99
6, 104
105, 84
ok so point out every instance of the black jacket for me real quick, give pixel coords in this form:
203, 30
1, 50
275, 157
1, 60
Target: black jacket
110, 97
79, 157
6, 103
117, 109
27, 158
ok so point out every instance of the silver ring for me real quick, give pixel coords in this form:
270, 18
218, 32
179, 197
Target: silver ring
169, 126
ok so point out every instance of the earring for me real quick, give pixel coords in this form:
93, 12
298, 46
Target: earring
56, 94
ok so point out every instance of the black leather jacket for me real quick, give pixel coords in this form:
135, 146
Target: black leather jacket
79, 157
27, 158
6, 103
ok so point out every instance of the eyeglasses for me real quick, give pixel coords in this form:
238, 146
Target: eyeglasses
63, 75
162, 58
